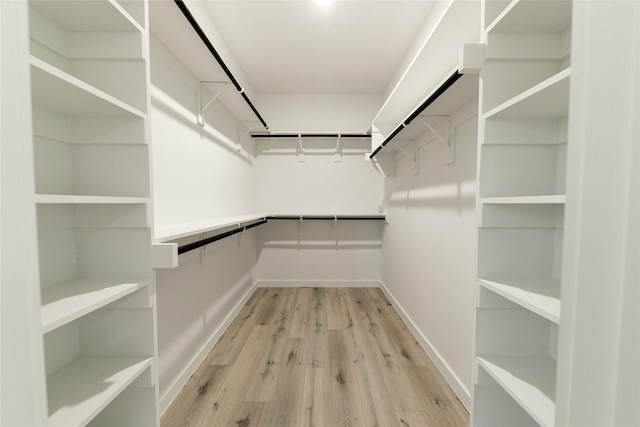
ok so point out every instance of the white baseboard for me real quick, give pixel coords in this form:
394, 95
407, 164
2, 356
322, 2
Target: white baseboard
458, 387
191, 367
317, 284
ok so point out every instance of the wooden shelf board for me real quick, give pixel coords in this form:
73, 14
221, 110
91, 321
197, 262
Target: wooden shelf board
81, 389
87, 16
66, 302
546, 100
541, 296
554, 199
525, 16
177, 231
88, 200
58, 91
530, 380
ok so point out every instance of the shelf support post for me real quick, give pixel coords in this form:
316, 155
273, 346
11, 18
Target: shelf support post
300, 150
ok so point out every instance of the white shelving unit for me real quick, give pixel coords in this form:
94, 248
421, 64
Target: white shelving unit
89, 85
524, 110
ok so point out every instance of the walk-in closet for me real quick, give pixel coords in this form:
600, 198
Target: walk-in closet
319, 213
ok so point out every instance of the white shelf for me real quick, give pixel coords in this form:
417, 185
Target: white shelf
526, 16
173, 232
88, 200
541, 296
87, 16
554, 199
58, 91
80, 390
530, 380
332, 215
546, 100
69, 301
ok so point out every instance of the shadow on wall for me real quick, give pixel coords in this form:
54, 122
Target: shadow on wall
207, 133
437, 185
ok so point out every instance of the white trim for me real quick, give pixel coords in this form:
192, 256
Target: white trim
458, 386
317, 284
195, 362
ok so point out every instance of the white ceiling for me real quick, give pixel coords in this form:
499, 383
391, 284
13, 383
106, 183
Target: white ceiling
301, 46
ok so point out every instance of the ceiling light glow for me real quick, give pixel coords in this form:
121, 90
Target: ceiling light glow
323, 3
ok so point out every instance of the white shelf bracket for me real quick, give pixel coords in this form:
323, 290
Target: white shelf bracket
202, 105
203, 250
241, 234
301, 230
338, 155
448, 142
413, 156
241, 136
300, 150
334, 227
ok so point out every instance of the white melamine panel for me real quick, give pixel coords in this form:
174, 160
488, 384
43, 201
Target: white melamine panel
529, 380
99, 15
135, 406
493, 407
112, 332
58, 91
88, 130
176, 231
91, 169
522, 170
68, 301
518, 252
525, 131
548, 99
542, 296
514, 215
511, 332
532, 16
83, 388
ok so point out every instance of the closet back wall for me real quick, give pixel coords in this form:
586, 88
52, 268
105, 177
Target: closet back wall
321, 252
197, 175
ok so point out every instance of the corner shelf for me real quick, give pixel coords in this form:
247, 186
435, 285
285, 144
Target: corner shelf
529, 380
80, 390
541, 296
69, 301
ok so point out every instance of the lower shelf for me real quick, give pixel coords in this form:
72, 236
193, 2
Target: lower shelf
68, 301
530, 380
80, 390
542, 296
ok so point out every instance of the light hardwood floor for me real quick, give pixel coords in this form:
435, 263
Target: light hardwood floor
324, 357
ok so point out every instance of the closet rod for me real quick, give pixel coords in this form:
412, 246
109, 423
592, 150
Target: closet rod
196, 27
435, 95
204, 242
310, 135
328, 217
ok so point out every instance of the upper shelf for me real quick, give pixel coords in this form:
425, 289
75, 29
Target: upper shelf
458, 23
533, 16
58, 91
87, 16
177, 231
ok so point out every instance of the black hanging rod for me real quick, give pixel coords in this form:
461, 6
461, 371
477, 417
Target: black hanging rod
208, 240
196, 27
310, 135
328, 217
435, 95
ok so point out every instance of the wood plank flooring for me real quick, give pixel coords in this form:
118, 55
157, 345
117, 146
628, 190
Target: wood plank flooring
324, 357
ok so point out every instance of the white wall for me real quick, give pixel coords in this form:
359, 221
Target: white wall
319, 112
197, 174
429, 251
319, 185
